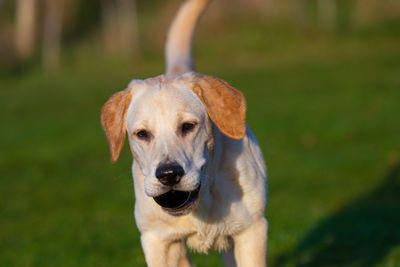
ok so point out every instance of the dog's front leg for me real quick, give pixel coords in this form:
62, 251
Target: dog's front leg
162, 253
155, 249
250, 245
177, 255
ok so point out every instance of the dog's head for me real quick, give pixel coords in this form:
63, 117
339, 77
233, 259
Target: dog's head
169, 124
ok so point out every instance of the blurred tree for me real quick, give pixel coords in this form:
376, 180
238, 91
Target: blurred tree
120, 29
52, 33
128, 25
269, 7
25, 28
327, 13
298, 10
26, 23
81, 19
372, 11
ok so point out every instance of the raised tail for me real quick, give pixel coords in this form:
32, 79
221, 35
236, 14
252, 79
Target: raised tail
179, 42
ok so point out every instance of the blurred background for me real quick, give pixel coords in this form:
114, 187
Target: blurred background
322, 82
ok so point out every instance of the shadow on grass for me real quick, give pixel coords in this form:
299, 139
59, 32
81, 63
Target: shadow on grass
362, 233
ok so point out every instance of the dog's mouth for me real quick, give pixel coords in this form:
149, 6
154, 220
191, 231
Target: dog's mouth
176, 202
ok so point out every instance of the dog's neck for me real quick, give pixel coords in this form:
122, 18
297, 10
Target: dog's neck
223, 155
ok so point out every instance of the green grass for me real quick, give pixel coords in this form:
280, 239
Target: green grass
325, 109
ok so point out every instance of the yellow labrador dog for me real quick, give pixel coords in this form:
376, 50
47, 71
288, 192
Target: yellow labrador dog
198, 172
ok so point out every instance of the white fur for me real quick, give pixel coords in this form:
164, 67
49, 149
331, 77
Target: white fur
229, 215
232, 197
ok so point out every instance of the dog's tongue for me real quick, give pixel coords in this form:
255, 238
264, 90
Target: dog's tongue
172, 199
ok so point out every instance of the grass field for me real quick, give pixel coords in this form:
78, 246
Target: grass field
325, 108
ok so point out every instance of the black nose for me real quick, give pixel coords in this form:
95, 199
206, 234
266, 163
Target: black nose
169, 174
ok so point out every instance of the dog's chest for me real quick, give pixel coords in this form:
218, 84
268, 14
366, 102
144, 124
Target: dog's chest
214, 236
209, 237
215, 232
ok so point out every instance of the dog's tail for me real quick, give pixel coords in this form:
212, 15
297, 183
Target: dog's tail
179, 41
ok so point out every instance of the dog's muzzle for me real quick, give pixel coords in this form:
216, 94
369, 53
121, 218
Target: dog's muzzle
178, 203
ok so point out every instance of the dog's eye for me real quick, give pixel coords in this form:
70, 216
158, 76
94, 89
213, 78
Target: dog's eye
187, 127
143, 135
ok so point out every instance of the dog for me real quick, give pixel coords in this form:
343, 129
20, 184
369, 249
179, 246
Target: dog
198, 171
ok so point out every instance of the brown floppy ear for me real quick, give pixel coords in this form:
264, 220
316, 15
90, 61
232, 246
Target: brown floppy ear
113, 116
225, 104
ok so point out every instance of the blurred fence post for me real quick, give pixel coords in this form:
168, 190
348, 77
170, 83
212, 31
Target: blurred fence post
25, 28
52, 33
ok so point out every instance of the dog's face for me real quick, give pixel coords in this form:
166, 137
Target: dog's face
168, 121
168, 129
